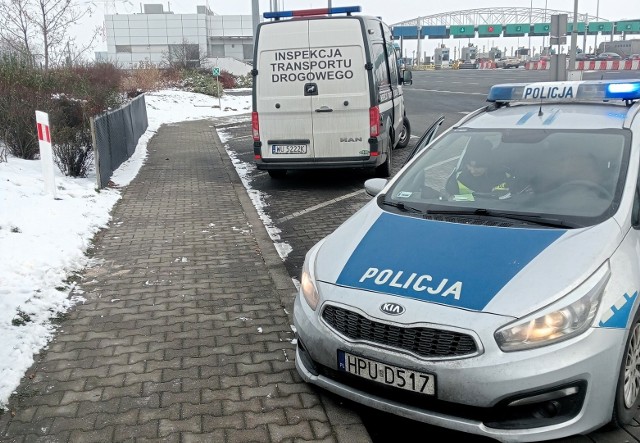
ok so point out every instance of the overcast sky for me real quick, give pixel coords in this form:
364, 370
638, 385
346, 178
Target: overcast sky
391, 12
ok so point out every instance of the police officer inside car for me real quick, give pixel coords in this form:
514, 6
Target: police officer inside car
478, 173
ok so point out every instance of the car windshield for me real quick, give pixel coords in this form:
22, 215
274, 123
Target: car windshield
570, 178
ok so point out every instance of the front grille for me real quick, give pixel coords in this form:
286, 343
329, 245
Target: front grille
424, 342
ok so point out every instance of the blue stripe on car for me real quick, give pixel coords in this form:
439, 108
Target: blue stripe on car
448, 263
524, 118
618, 314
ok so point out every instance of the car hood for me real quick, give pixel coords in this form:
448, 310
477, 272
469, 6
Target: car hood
506, 271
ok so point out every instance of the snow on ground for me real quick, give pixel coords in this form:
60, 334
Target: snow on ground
43, 241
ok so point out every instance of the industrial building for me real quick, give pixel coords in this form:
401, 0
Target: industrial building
156, 35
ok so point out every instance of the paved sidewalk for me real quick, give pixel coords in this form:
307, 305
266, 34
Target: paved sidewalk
185, 333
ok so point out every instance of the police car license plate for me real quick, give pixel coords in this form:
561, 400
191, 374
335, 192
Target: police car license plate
288, 149
387, 374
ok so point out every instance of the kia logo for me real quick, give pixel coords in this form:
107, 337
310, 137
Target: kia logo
392, 308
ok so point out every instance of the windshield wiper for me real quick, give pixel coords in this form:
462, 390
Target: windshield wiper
402, 206
529, 218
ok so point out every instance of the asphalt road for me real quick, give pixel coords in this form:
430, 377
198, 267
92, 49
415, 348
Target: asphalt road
308, 205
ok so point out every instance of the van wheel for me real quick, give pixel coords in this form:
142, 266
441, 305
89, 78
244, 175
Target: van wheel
628, 390
277, 173
405, 134
384, 170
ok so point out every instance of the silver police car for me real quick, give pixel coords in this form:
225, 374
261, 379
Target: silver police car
492, 285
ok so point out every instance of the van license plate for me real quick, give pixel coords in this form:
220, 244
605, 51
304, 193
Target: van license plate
288, 149
387, 374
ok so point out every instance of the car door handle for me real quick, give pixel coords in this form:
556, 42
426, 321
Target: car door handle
324, 109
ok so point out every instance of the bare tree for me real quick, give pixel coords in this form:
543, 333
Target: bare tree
184, 55
53, 18
16, 30
41, 27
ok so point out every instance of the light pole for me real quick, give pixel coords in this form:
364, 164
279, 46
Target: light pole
530, 17
595, 44
544, 37
574, 38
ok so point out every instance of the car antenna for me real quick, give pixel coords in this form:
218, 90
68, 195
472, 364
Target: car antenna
540, 113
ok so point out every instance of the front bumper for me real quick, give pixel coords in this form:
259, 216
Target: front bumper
472, 393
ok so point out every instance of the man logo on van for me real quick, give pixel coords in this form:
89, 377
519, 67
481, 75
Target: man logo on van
310, 89
350, 140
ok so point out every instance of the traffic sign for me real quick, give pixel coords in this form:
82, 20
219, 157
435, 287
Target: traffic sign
489, 30
517, 30
632, 27
216, 71
603, 27
541, 29
465, 31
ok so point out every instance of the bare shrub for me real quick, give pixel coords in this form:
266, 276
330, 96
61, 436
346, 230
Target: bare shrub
145, 77
71, 137
22, 92
227, 80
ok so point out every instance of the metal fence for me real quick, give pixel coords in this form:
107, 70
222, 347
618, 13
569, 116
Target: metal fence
115, 137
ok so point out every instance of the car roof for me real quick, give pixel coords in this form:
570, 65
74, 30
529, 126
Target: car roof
554, 116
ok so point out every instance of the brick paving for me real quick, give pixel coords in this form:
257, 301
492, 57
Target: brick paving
185, 333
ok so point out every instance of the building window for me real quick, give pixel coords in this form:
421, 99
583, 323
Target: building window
123, 49
186, 55
247, 51
216, 50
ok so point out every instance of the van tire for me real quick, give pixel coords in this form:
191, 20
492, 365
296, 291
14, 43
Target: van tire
277, 173
405, 134
623, 412
384, 170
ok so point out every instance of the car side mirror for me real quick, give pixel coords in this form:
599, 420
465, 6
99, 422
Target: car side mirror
407, 77
374, 186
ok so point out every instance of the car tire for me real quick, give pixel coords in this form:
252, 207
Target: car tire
405, 134
384, 170
627, 395
277, 173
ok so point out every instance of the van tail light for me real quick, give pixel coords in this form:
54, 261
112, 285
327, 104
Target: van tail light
374, 121
255, 126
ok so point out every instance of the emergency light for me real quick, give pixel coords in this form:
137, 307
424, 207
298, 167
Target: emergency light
308, 12
596, 90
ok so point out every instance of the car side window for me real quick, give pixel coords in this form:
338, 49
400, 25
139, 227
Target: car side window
379, 65
393, 64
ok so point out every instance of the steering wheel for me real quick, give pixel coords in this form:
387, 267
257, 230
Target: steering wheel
588, 184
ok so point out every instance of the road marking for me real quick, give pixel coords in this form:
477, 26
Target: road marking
244, 136
319, 206
451, 92
464, 112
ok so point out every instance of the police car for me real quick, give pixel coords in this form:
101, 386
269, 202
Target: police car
510, 312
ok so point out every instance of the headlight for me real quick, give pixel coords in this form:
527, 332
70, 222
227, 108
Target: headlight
557, 323
308, 279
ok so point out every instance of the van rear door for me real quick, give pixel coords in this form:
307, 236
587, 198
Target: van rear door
284, 112
340, 106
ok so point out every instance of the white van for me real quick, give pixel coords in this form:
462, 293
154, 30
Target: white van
326, 92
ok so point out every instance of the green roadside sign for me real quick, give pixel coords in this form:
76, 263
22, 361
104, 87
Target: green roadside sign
458, 31
216, 71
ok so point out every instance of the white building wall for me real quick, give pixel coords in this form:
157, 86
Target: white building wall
134, 38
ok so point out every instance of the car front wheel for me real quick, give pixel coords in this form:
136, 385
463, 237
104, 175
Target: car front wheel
628, 389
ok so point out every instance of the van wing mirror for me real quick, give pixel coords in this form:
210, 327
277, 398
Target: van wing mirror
407, 77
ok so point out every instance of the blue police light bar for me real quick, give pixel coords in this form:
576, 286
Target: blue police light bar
598, 90
309, 12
